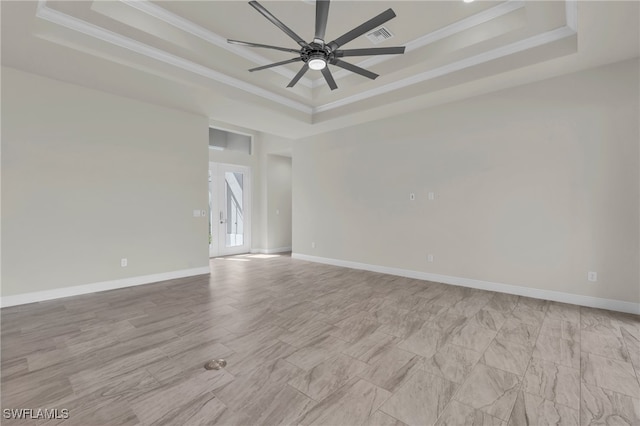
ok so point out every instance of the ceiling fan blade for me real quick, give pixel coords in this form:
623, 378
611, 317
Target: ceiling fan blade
266, 46
275, 21
298, 76
322, 14
354, 68
329, 78
288, 61
370, 51
363, 28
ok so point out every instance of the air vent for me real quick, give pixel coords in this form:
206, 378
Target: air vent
379, 35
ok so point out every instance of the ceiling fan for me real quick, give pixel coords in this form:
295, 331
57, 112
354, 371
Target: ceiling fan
318, 54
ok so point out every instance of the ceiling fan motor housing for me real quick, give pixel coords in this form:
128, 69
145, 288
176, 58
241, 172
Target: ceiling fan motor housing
315, 51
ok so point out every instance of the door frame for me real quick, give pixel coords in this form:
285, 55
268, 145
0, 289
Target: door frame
217, 179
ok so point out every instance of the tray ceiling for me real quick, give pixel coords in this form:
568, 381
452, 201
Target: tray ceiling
450, 44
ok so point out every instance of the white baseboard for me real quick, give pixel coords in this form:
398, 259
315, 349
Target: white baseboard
536, 293
39, 296
271, 251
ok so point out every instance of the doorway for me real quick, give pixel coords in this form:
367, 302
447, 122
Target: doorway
229, 209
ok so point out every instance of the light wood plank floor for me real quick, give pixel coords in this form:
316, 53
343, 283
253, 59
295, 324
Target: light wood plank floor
315, 344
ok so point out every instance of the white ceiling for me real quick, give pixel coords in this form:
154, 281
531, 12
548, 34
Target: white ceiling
175, 53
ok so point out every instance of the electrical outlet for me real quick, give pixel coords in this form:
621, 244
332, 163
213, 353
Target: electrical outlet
124, 262
196, 213
431, 196
429, 258
313, 244
592, 276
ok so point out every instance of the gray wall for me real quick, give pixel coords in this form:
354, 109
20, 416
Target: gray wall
89, 178
534, 186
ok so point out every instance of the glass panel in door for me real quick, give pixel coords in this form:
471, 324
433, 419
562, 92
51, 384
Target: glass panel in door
229, 209
234, 196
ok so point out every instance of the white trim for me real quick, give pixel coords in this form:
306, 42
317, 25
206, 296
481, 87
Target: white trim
447, 31
271, 250
499, 52
185, 25
571, 14
92, 30
76, 290
536, 293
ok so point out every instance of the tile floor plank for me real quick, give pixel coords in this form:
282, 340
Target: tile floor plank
490, 390
452, 362
420, 400
457, 414
554, 382
533, 410
328, 376
353, 404
603, 407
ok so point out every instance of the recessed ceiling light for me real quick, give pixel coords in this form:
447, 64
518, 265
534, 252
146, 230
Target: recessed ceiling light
468, 1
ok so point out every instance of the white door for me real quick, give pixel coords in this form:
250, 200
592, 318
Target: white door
229, 207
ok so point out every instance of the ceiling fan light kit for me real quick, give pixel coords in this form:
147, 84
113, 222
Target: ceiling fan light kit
318, 54
317, 64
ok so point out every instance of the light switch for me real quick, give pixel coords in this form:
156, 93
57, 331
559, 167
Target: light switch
412, 196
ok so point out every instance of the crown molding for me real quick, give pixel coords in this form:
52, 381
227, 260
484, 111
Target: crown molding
75, 24
509, 49
455, 28
183, 24
570, 29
